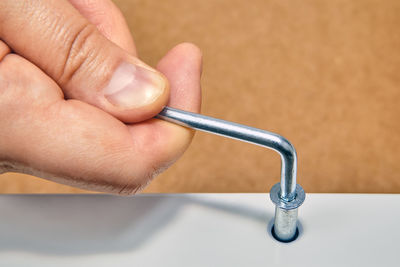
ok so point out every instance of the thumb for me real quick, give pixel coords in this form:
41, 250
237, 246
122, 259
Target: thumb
54, 36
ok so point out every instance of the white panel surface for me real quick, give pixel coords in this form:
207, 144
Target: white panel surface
196, 230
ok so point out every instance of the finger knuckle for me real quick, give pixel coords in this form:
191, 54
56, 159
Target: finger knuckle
80, 49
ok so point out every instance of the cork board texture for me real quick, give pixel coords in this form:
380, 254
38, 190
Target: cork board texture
324, 74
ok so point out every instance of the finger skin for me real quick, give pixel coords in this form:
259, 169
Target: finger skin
71, 142
183, 67
4, 50
54, 36
109, 21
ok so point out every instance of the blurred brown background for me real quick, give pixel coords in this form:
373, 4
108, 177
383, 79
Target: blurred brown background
324, 74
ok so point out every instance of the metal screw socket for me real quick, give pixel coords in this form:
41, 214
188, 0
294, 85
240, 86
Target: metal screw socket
285, 222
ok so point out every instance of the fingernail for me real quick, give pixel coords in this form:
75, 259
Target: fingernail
133, 86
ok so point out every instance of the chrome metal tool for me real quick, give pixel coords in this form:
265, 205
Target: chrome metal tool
286, 195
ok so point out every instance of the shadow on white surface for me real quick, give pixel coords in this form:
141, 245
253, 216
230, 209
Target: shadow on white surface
92, 224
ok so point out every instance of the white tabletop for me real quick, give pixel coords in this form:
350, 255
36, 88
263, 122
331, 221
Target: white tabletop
196, 230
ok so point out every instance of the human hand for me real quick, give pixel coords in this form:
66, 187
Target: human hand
61, 114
